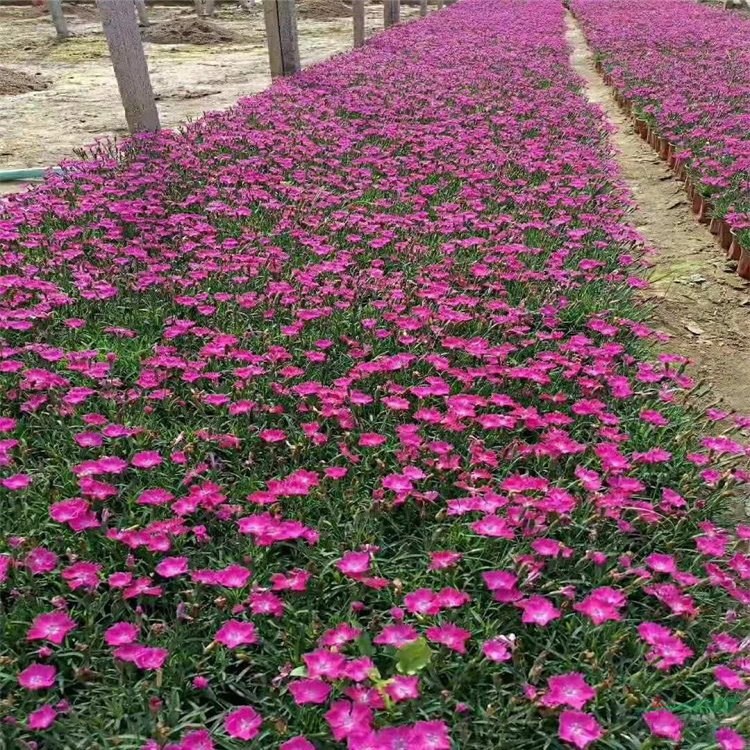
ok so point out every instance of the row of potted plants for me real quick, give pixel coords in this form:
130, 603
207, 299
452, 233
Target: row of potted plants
680, 70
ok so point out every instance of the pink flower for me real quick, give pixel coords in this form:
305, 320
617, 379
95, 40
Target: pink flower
538, 610
346, 718
307, 692
664, 724
233, 577
170, 567
396, 636
120, 634
403, 688
339, 636
266, 603
667, 650
579, 729
444, 560
354, 564
503, 585
16, 482
602, 605
273, 436
42, 718
499, 649
297, 743
421, 602
51, 626
146, 460
197, 740
371, 440
324, 663
235, 633
430, 735
5, 563
37, 677
146, 657
449, 635
243, 723
568, 690
728, 739
729, 679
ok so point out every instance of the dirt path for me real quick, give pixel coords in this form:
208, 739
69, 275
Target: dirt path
703, 305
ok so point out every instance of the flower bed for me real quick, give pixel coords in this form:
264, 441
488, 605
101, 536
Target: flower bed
331, 421
684, 71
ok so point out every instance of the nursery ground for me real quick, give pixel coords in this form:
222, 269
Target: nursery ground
81, 103
698, 300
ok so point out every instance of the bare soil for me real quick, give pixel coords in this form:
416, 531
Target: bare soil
699, 300
323, 9
14, 81
188, 30
81, 105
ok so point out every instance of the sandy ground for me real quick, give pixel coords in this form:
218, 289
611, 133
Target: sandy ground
40, 128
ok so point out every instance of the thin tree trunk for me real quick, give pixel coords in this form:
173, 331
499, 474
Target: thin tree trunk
61, 25
129, 63
358, 15
140, 9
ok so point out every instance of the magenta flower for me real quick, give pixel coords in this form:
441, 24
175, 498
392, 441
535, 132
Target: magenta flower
664, 724
450, 636
146, 460
243, 723
728, 739
297, 743
568, 690
339, 636
728, 678
354, 564
121, 633
52, 627
232, 577
444, 560
235, 633
273, 436
16, 482
499, 649
147, 657
170, 567
396, 636
325, 663
307, 692
37, 677
579, 729
200, 739
346, 719
538, 610
403, 688
42, 718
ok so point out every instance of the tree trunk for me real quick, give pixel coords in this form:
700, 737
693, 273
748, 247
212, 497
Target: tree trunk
61, 25
280, 18
131, 71
358, 15
140, 9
